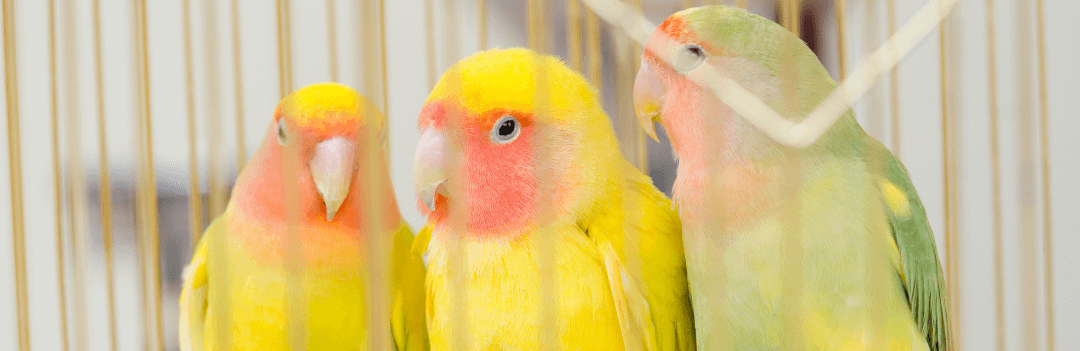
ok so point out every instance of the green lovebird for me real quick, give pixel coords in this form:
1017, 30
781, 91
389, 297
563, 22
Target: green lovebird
815, 248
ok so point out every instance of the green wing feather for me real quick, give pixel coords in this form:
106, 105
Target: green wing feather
924, 282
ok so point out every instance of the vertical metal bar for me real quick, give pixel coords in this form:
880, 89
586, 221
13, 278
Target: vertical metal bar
743, 4
1044, 139
790, 10
385, 86
995, 178
148, 193
627, 128
545, 242
871, 37
948, 110
573, 33
216, 172
792, 248
194, 195
841, 53
894, 84
482, 22
331, 39
295, 303
1028, 223
76, 178
15, 169
57, 178
284, 47
104, 184
460, 337
375, 251
874, 282
687, 4
593, 52
429, 41
215, 161
642, 147
238, 85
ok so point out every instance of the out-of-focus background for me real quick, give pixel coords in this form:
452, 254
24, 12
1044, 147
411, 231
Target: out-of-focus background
321, 29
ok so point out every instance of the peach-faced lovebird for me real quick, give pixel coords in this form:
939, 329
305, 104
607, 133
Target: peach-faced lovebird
822, 247
256, 284
515, 152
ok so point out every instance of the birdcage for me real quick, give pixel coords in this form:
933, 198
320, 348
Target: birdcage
127, 122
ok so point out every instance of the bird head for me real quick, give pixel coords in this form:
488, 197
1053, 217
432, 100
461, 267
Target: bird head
320, 133
507, 135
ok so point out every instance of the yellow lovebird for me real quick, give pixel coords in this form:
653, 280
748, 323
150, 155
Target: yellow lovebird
518, 165
254, 284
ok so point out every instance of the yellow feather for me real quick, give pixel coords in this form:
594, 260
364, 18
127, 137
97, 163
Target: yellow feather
479, 89
895, 199
620, 275
256, 306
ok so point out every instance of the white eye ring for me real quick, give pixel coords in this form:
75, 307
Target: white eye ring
281, 131
688, 57
505, 130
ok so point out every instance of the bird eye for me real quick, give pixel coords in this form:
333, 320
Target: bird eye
505, 130
688, 57
281, 131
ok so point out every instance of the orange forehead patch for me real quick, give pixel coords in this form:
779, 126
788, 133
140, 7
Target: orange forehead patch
675, 26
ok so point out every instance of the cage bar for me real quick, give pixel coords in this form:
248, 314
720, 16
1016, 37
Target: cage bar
284, 47
894, 82
573, 34
593, 51
147, 193
194, 196
58, 185
949, 109
1044, 149
482, 22
76, 180
104, 184
841, 51
18, 228
792, 247
995, 177
331, 40
238, 87
216, 164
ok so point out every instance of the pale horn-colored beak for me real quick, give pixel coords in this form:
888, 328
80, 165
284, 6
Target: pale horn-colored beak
648, 95
429, 167
332, 170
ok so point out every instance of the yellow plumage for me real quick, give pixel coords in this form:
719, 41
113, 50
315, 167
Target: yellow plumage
256, 309
277, 272
619, 274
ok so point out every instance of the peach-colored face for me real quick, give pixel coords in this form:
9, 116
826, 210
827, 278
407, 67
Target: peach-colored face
496, 167
665, 95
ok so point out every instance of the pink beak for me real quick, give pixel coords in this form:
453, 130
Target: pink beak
648, 97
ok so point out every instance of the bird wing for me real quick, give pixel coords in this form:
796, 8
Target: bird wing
408, 323
640, 240
193, 297
919, 267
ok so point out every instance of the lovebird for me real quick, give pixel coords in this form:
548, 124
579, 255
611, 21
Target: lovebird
518, 165
825, 247
246, 289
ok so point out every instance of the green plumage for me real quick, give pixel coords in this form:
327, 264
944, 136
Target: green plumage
824, 247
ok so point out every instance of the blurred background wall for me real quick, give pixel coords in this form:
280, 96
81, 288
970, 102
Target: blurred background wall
919, 109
